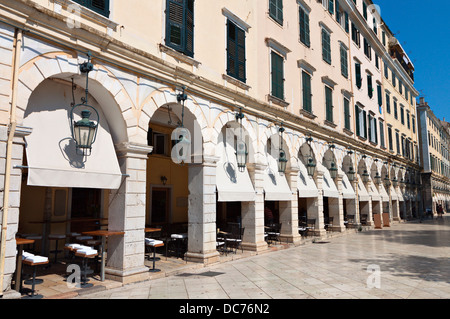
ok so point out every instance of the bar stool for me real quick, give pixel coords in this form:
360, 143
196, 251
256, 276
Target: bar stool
56, 237
154, 243
85, 254
34, 261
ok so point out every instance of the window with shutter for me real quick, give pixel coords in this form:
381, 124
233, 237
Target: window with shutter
99, 6
331, 6
307, 96
304, 27
391, 146
344, 62
380, 95
364, 116
382, 143
358, 75
326, 46
347, 116
388, 103
277, 76
369, 85
329, 104
236, 52
276, 10
347, 22
357, 120
180, 26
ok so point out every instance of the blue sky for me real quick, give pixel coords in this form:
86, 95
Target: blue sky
422, 29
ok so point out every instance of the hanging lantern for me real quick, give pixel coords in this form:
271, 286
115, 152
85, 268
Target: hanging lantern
311, 167
282, 159
84, 131
377, 179
333, 170
395, 182
387, 181
365, 176
351, 174
241, 155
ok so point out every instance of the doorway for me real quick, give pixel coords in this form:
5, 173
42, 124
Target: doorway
160, 206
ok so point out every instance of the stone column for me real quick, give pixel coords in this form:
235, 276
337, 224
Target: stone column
289, 211
317, 209
202, 212
354, 209
127, 210
253, 212
338, 210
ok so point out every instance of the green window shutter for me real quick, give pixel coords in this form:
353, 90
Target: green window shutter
276, 10
380, 97
99, 6
338, 16
388, 103
358, 75
347, 22
347, 114
304, 27
180, 26
331, 6
369, 85
375, 127
277, 76
236, 52
365, 123
365, 10
329, 104
326, 46
344, 62
306, 83
357, 121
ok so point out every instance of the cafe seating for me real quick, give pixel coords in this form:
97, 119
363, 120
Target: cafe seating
33, 261
153, 243
364, 219
56, 238
85, 253
310, 226
329, 224
234, 240
273, 234
34, 237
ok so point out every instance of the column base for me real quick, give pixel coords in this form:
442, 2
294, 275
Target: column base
209, 258
292, 239
261, 246
127, 276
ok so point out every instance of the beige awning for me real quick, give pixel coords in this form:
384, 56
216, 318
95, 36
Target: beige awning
400, 195
305, 184
347, 189
276, 187
362, 191
328, 185
52, 158
383, 193
394, 195
373, 192
232, 184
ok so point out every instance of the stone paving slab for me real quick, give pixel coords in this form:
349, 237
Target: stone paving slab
405, 261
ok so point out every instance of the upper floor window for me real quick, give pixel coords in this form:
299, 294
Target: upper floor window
307, 92
356, 35
344, 61
180, 26
276, 10
358, 75
99, 6
367, 49
304, 27
235, 51
328, 104
277, 75
326, 46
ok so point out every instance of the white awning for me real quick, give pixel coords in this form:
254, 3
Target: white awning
362, 191
52, 158
383, 193
347, 189
305, 184
328, 185
232, 184
393, 193
373, 192
276, 187
400, 195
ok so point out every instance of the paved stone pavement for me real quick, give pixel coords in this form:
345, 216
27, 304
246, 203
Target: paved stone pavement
405, 261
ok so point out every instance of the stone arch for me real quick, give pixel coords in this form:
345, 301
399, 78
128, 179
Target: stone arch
103, 86
271, 131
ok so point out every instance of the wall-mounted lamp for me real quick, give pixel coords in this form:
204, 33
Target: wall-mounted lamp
163, 180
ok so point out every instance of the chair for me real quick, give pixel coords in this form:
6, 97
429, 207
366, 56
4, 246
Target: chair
310, 226
153, 243
235, 238
329, 225
56, 238
350, 221
274, 233
363, 219
302, 228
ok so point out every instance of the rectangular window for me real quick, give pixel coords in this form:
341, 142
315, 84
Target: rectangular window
380, 95
180, 26
383, 36
388, 103
400, 87
338, 12
277, 75
386, 71
413, 120
304, 27
356, 35
369, 85
276, 10
99, 6
394, 81
361, 122
397, 140
375, 27
346, 22
358, 75
395, 109
365, 10
347, 116
408, 123
344, 62
307, 94
236, 51
367, 49
326, 46
391, 147
382, 144
402, 115
329, 104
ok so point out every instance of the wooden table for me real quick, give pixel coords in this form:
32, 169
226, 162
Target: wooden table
103, 234
152, 229
20, 242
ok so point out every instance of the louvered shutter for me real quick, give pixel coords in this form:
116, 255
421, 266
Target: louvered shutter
357, 121
329, 104
99, 6
306, 82
304, 27
235, 52
180, 26
189, 28
277, 76
358, 75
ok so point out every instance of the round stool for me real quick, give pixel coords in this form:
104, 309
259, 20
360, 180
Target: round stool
56, 237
